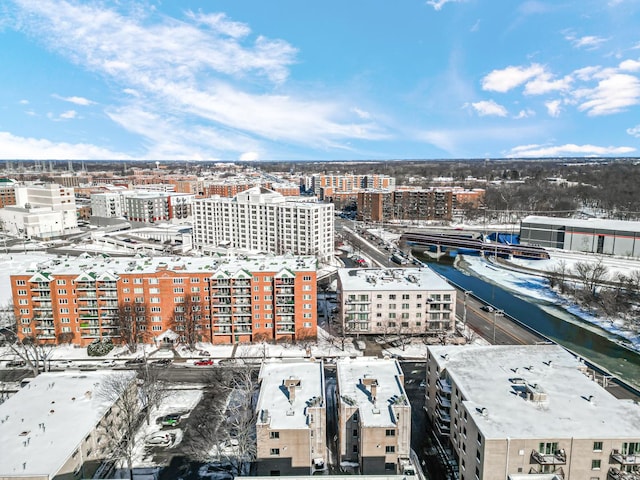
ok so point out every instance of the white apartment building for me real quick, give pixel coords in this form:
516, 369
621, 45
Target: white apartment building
262, 220
41, 211
374, 415
400, 301
510, 412
155, 207
291, 418
108, 205
59, 426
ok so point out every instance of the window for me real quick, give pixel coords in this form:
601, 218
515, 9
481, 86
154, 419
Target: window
65, 320
390, 449
137, 281
355, 448
154, 300
274, 435
274, 452
62, 301
156, 309
64, 310
26, 329
306, 278
24, 301
597, 446
595, 464
154, 290
22, 283
392, 296
390, 432
178, 281
154, 281
60, 292
138, 291
125, 290
178, 290
24, 292
156, 328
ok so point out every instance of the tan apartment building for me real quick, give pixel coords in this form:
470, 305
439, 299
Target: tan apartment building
226, 300
291, 418
58, 427
395, 301
510, 412
374, 415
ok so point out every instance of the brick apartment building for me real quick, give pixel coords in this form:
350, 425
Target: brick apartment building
221, 301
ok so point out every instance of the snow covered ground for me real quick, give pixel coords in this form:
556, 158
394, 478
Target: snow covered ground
537, 286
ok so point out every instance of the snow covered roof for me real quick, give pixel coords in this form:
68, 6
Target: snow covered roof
391, 279
599, 223
42, 425
355, 376
287, 389
564, 402
122, 265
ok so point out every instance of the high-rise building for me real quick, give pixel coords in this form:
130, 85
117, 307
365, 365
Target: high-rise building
264, 221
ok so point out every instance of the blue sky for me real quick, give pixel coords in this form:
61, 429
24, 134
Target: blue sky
304, 80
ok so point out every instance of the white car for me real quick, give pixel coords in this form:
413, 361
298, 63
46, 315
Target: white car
159, 439
63, 364
107, 364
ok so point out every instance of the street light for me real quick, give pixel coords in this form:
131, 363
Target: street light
464, 304
496, 314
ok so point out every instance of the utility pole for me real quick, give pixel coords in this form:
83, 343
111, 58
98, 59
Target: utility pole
496, 314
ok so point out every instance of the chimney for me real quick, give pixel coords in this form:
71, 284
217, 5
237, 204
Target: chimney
290, 384
374, 392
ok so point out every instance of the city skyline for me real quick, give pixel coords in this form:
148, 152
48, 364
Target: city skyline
295, 81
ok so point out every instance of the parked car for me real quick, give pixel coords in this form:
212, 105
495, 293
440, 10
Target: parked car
159, 439
170, 420
161, 362
63, 364
134, 362
16, 363
203, 353
487, 308
108, 363
203, 362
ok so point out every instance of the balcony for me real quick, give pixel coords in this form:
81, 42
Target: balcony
43, 307
87, 296
443, 385
443, 429
40, 298
41, 287
617, 474
46, 336
443, 415
559, 457
625, 459
284, 291
558, 472
284, 301
242, 292
443, 401
223, 331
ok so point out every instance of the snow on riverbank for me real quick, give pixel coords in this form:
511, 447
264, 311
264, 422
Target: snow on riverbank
537, 287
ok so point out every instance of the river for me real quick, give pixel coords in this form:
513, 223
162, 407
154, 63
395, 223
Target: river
555, 323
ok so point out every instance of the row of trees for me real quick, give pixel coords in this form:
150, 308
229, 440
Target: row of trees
592, 285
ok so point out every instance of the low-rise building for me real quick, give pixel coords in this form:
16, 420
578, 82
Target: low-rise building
291, 418
59, 426
512, 411
374, 415
400, 301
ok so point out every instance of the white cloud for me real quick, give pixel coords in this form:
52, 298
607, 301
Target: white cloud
438, 4
68, 115
14, 147
510, 77
206, 70
525, 114
569, 149
24, 102
612, 95
361, 113
553, 107
630, 65
76, 100
634, 131
544, 83
488, 108
249, 157
590, 42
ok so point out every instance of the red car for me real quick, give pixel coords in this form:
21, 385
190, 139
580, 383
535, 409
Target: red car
203, 362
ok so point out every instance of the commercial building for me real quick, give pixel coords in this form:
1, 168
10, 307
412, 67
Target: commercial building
512, 411
374, 415
400, 301
224, 300
612, 237
260, 220
58, 427
41, 211
291, 418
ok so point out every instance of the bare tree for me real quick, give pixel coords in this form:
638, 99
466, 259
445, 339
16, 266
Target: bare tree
133, 322
152, 390
591, 275
121, 390
34, 353
186, 320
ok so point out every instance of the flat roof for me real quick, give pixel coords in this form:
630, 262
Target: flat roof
180, 265
274, 406
599, 223
491, 378
390, 388
392, 279
46, 421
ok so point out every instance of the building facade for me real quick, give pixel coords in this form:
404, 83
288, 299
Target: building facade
41, 211
7, 192
263, 221
395, 301
611, 237
82, 299
374, 415
513, 411
60, 427
291, 418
